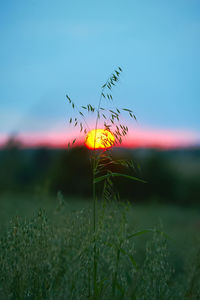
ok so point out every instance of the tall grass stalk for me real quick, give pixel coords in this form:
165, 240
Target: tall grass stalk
100, 159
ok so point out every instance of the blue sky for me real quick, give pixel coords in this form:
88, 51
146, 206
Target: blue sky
50, 48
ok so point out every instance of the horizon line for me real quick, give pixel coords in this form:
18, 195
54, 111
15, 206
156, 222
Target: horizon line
145, 138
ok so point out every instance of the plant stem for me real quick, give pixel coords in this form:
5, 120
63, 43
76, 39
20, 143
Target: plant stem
94, 203
94, 233
116, 271
94, 169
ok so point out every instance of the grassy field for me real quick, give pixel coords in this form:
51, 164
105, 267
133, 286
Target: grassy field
46, 250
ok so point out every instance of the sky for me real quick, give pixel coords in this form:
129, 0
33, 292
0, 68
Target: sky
53, 48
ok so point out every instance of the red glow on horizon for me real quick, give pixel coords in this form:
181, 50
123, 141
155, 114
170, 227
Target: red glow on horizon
163, 139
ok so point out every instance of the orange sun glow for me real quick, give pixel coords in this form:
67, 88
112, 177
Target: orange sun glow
99, 139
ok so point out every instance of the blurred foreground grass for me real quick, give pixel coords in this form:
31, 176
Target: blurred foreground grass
179, 222
47, 254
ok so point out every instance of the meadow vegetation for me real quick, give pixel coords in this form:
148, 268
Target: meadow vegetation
47, 252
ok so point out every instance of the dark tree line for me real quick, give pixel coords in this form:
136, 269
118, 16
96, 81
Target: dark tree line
25, 170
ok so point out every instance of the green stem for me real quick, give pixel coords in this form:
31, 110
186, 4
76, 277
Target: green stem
116, 271
94, 203
94, 233
94, 168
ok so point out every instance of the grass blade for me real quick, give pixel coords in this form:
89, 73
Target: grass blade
140, 233
98, 179
147, 231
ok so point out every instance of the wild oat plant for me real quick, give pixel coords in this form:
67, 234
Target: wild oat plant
102, 160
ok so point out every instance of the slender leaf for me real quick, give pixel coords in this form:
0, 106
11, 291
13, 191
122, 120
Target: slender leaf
98, 179
147, 231
140, 233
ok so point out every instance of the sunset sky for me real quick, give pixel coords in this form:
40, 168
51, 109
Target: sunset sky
53, 48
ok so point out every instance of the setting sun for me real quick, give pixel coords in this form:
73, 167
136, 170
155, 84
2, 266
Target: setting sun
99, 139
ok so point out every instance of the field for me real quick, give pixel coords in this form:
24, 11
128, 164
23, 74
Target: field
47, 250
